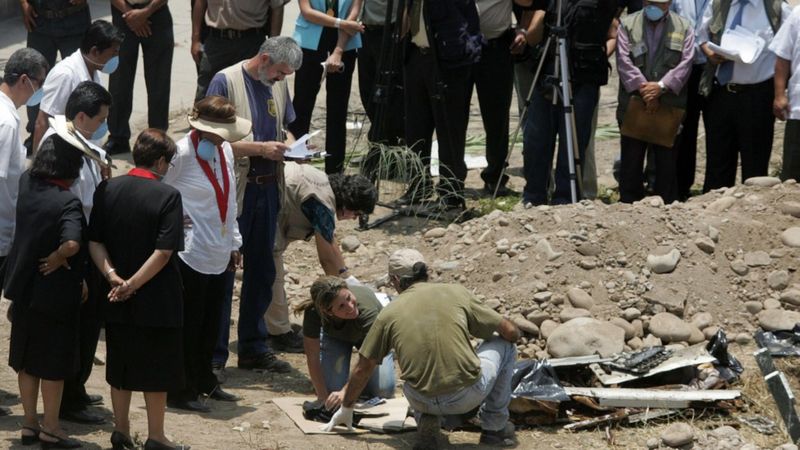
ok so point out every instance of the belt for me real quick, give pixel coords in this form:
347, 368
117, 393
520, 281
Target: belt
61, 13
262, 179
231, 34
507, 36
734, 88
422, 50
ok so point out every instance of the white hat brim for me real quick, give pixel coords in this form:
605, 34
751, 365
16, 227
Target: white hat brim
66, 131
231, 132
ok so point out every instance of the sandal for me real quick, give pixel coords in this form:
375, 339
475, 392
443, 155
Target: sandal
30, 439
59, 443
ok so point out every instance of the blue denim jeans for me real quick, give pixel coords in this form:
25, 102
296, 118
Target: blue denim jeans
335, 359
544, 122
492, 391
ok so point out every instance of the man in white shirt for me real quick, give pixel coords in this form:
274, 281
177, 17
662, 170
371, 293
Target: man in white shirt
732, 88
98, 52
786, 106
22, 82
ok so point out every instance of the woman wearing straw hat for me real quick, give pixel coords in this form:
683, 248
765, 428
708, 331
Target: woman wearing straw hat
203, 171
135, 233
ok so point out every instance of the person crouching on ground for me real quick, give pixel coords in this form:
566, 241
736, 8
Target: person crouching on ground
336, 318
429, 327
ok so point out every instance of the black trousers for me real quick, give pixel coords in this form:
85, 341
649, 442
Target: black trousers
686, 145
74, 397
738, 123
219, 53
157, 50
493, 77
202, 306
440, 103
791, 151
369, 57
631, 179
337, 89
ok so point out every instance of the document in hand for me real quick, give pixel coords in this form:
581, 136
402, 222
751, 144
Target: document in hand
299, 150
739, 44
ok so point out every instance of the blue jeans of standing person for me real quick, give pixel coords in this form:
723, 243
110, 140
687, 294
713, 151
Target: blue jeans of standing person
257, 224
544, 122
335, 359
492, 391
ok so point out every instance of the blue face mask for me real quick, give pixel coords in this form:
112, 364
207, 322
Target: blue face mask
653, 13
206, 150
111, 65
36, 97
100, 131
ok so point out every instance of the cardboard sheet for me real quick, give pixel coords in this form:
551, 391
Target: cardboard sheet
392, 417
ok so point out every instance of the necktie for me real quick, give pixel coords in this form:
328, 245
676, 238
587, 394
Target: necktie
725, 72
416, 9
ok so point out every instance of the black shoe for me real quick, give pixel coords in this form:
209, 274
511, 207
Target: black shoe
222, 396
92, 400
117, 147
121, 442
266, 362
189, 405
505, 437
428, 432
30, 439
416, 195
59, 443
82, 416
288, 342
502, 190
155, 445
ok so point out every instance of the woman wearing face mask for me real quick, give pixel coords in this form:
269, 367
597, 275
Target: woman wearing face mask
336, 319
135, 232
203, 171
44, 280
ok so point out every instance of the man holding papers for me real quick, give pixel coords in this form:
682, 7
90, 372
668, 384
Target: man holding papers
739, 88
787, 92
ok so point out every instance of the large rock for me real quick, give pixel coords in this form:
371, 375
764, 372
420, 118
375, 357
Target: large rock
568, 314
537, 317
791, 237
791, 297
435, 233
350, 243
580, 298
705, 244
526, 325
671, 298
589, 249
778, 319
678, 435
547, 328
762, 181
739, 267
669, 328
663, 263
630, 330
585, 336
702, 320
791, 208
777, 280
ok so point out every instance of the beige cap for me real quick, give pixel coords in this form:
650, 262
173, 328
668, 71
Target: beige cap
401, 262
232, 130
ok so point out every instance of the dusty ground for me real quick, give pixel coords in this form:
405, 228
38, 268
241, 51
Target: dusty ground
467, 253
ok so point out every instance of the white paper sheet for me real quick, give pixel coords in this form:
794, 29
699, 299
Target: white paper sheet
299, 150
740, 45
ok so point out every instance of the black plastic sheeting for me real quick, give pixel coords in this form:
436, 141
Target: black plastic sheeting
728, 366
780, 343
537, 380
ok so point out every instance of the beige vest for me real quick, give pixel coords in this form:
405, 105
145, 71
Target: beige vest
302, 181
237, 94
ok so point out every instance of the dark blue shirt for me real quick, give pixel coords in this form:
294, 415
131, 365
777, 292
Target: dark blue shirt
320, 216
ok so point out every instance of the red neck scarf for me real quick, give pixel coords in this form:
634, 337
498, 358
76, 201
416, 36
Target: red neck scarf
142, 173
58, 182
221, 192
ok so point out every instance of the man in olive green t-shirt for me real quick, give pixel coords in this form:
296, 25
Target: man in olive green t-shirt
429, 327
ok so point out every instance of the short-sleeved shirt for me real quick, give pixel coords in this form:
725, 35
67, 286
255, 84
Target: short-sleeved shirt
374, 12
786, 46
495, 16
239, 14
429, 327
62, 80
12, 164
350, 331
133, 217
264, 126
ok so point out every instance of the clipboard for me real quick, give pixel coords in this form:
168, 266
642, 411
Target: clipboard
660, 127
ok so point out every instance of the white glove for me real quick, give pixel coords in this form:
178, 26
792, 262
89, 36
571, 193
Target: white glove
353, 281
344, 416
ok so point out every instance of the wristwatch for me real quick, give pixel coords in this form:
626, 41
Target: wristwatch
663, 87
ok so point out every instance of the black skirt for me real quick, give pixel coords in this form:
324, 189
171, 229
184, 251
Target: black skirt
146, 359
43, 345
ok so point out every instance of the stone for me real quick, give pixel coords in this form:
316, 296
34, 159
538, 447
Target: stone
587, 263
757, 259
762, 181
580, 298
771, 303
753, 307
502, 246
791, 208
526, 325
630, 330
585, 336
568, 314
739, 267
672, 299
677, 435
743, 339
537, 317
350, 243
788, 446
696, 337
721, 204
631, 314
702, 320
542, 296
544, 248
497, 276
589, 249
547, 327
705, 244
653, 443
791, 297
778, 280
435, 233
664, 263
778, 319
791, 237
493, 303
635, 343
710, 332
651, 341
669, 328
713, 233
